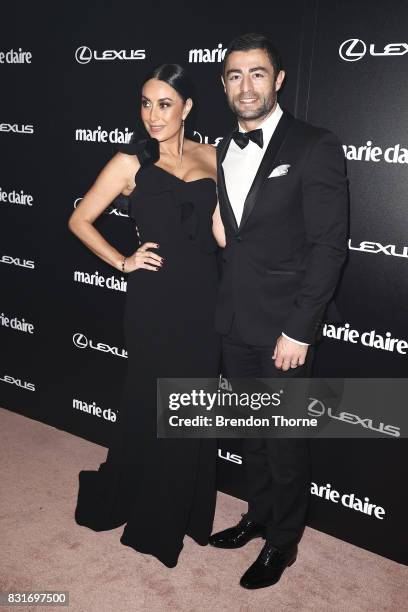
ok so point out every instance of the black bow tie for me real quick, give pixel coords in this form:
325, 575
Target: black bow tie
242, 138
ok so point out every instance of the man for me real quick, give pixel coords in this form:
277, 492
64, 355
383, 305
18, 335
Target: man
283, 201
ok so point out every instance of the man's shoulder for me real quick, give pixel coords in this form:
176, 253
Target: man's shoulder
315, 143
311, 132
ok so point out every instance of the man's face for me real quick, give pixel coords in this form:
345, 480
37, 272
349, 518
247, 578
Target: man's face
250, 84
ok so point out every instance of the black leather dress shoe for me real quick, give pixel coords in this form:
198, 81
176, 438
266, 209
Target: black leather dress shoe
269, 566
235, 537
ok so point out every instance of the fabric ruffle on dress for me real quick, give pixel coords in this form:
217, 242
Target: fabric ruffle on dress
146, 149
193, 225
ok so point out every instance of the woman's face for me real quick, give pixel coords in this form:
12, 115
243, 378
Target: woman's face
162, 109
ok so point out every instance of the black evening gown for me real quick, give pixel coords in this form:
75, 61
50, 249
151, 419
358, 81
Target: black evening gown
162, 488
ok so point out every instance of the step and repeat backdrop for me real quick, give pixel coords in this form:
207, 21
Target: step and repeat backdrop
70, 78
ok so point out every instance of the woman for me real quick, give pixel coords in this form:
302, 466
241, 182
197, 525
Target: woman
161, 488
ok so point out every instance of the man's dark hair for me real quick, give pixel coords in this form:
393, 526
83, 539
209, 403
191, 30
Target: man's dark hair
246, 42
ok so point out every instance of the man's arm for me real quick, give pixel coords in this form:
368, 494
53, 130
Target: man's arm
325, 207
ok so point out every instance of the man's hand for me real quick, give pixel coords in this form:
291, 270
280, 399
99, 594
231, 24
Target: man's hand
288, 354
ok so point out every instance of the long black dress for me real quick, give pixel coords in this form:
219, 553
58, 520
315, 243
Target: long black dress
162, 488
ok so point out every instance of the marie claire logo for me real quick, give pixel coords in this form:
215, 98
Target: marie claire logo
16, 128
371, 338
206, 139
316, 408
206, 56
349, 500
354, 49
17, 261
23, 384
82, 342
98, 280
366, 246
84, 55
16, 323
15, 56
16, 197
106, 413
100, 135
395, 154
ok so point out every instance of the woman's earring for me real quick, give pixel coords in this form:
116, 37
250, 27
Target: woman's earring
181, 142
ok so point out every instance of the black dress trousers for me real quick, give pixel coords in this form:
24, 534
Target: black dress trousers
277, 469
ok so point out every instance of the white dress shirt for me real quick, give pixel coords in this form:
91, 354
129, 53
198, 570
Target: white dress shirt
241, 165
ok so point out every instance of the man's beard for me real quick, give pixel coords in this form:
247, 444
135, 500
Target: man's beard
256, 113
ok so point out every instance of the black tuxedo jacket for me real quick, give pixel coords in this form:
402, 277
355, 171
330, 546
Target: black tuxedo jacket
281, 265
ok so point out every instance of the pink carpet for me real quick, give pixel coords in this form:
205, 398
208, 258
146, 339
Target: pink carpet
42, 548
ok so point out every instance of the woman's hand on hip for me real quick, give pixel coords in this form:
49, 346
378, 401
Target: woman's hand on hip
144, 258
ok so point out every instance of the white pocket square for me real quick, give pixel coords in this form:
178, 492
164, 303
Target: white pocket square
280, 170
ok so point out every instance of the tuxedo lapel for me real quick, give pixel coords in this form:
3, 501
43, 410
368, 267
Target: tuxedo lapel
270, 154
222, 189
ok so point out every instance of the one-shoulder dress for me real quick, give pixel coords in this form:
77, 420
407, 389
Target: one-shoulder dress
162, 488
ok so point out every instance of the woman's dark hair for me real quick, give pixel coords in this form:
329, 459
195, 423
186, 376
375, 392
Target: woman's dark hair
174, 75
247, 42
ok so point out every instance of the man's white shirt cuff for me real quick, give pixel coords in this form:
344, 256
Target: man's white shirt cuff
293, 340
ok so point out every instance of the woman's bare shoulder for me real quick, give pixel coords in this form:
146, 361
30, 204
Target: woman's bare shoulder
204, 153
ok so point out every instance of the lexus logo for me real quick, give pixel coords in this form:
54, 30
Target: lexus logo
83, 55
17, 129
80, 340
352, 50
